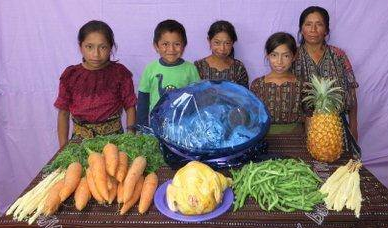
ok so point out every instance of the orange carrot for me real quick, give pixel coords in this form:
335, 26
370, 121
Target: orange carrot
135, 196
147, 192
111, 153
92, 158
133, 175
82, 194
109, 182
99, 174
120, 192
72, 179
92, 187
113, 190
53, 200
122, 167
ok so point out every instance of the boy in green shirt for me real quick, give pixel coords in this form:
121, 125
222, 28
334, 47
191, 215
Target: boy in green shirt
167, 73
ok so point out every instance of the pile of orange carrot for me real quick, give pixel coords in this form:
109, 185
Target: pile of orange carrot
108, 177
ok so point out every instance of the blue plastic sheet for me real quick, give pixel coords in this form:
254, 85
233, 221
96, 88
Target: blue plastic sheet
210, 117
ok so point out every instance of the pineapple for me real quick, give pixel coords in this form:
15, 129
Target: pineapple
325, 131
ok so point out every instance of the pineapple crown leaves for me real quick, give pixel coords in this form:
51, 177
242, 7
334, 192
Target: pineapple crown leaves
322, 95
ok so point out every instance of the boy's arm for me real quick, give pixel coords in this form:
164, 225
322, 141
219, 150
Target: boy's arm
194, 74
63, 127
143, 109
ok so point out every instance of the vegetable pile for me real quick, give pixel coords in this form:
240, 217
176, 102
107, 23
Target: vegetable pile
34, 200
105, 164
343, 188
196, 189
133, 145
286, 185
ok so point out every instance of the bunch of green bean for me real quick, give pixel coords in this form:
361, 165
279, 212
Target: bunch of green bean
283, 184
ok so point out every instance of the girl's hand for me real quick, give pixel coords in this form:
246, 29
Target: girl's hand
63, 127
131, 116
131, 129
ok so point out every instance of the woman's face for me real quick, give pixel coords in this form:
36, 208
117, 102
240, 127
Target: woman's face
314, 29
221, 45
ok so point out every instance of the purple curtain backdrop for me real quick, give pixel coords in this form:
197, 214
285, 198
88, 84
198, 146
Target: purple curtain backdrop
38, 40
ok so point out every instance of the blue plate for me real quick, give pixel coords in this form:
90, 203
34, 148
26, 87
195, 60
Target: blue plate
161, 204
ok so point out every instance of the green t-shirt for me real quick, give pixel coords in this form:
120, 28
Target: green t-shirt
157, 79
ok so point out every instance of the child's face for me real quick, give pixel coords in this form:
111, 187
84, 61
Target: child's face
221, 45
96, 51
170, 47
280, 59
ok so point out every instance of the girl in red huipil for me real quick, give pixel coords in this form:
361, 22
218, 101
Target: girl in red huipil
94, 92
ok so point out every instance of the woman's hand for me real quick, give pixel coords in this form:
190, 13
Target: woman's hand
354, 131
353, 121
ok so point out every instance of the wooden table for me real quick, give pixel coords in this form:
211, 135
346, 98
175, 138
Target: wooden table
373, 213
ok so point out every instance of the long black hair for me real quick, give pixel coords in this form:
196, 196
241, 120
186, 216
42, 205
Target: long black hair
97, 26
223, 26
309, 10
278, 39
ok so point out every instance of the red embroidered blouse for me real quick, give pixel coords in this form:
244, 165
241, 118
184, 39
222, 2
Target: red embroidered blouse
95, 95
